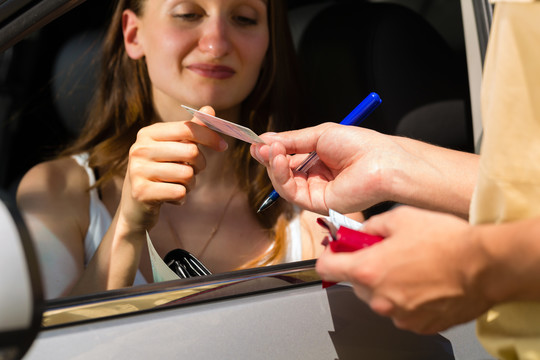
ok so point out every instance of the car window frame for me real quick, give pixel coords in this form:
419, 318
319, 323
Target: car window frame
169, 294
21, 18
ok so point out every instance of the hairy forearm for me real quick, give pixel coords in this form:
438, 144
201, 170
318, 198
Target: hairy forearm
434, 177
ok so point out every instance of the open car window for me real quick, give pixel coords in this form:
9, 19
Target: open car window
412, 52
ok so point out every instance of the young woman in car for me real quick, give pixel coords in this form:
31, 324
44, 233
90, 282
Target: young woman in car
144, 160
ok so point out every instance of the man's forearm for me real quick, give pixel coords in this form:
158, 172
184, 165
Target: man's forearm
513, 257
436, 178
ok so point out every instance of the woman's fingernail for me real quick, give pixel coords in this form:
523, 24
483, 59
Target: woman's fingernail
223, 145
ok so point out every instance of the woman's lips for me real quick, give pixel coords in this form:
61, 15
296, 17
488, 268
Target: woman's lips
212, 71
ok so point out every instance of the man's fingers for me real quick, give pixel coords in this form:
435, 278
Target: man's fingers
380, 224
333, 266
280, 172
298, 141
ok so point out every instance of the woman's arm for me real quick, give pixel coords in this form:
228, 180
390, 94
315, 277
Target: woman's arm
54, 199
162, 166
54, 204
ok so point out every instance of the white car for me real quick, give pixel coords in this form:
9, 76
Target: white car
424, 57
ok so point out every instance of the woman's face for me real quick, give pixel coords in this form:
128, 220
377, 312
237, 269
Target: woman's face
199, 52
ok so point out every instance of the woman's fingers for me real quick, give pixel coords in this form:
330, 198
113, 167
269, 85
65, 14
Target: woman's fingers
154, 192
182, 131
176, 173
170, 151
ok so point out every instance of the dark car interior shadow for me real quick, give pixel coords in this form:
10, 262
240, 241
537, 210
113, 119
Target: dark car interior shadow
356, 326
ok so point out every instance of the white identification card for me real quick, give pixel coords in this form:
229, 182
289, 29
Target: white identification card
226, 127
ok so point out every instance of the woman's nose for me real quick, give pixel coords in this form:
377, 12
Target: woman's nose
215, 39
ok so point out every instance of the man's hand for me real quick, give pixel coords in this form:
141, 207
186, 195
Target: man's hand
424, 275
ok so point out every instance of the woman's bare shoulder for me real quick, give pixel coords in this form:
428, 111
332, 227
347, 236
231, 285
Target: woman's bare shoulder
60, 180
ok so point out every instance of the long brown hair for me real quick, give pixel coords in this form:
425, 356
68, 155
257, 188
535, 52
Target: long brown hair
123, 105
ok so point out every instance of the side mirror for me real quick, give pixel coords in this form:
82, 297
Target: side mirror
21, 296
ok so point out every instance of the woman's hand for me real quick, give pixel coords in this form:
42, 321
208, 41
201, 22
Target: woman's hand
425, 275
163, 164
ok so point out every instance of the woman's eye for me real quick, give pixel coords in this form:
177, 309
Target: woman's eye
188, 16
245, 21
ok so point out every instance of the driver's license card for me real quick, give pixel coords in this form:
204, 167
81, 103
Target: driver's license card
226, 127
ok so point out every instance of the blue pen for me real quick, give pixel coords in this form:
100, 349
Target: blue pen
359, 114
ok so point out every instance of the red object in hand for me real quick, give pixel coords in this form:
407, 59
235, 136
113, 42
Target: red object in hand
348, 240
